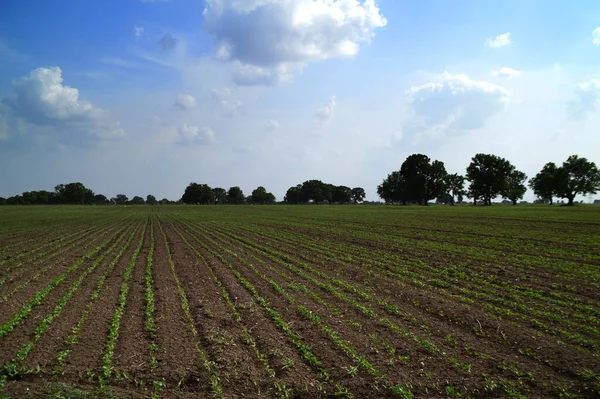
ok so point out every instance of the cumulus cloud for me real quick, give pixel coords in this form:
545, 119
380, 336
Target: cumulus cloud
195, 135
587, 99
498, 41
138, 31
167, 42
596, 36
185, 102
325, 113
453, 103
224, 100
507, 73
41, 99
269, 38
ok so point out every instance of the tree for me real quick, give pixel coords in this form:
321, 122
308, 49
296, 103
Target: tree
455, 185
423, 179
577, 176
544, 184
150, 199
358, 194
260, 196
393, 189
73, 193
164, 201
100, 199
514, 188
270, 198
121, 199
341, 194
137, 200
219, 195
315, 190
197, 194
487, 175
235, 195
293, 195
37, 197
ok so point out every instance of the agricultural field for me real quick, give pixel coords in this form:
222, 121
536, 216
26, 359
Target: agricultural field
300, 301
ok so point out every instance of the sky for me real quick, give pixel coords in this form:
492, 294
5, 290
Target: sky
145, 96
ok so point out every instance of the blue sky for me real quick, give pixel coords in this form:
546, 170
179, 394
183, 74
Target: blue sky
143, 97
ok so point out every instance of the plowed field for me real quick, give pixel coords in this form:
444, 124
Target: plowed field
304, 301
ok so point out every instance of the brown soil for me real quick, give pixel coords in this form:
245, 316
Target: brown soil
438, 343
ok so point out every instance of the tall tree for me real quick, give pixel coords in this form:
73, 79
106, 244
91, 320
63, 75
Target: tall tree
121, 199
514, 188
455, 185
293, 195
577, 176
220, 195
100, 199
137, 200
315, 190
424, 180
358, 194
544, 184
341, 194
235, 195
197, 194
259, 195
73, 193
487, 175
270, 199
150, 199
393, 189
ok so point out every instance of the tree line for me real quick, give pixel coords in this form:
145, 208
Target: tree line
75, 193
203, 194
318, 192
421, 180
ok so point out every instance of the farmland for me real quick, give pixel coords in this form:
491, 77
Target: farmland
300, 301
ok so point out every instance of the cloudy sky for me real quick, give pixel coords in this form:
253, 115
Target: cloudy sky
144, 97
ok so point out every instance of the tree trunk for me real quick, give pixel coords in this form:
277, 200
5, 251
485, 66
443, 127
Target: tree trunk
570, 203
514, 201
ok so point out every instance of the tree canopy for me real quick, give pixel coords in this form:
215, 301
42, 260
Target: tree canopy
488, 176
197, 194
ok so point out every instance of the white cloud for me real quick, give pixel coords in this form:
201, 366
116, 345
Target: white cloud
505, 72
596, 36
251, 75
325, 113
138, 31
453, 104
185, 102
42, 99
499, 41
195, 135
272, 125
587, 99
275, 37
224, 100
